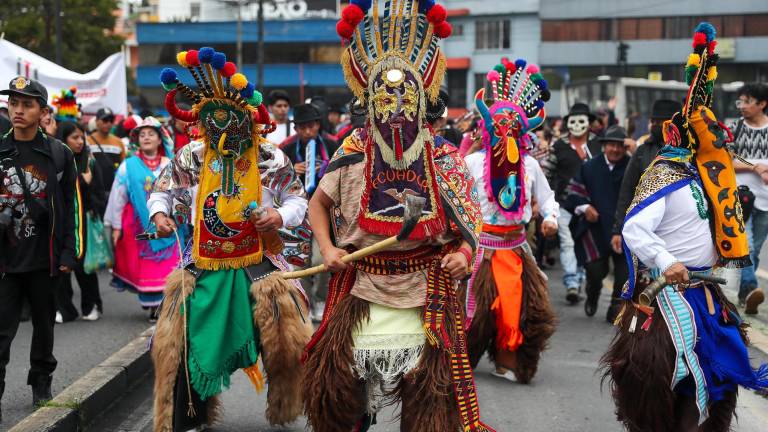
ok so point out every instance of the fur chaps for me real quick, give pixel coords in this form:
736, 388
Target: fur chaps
639, 368
335, 398
538, 320
285, 329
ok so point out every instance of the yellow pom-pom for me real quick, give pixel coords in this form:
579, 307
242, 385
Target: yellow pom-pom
238, 81
181, 58
693, 60
712, 73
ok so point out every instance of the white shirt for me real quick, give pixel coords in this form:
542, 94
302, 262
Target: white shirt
281, 133
118, 195
752, 145
536, 186
669, 231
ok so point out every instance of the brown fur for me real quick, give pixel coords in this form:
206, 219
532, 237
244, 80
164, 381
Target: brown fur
538, 323
335, 398
214, 409
481, 335
282, 344
426, 393
167, 345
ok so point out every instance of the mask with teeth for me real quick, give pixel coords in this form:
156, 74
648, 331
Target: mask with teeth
578, 124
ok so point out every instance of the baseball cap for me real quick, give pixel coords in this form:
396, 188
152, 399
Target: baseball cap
105, 113
27, 87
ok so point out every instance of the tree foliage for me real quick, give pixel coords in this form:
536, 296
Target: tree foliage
86, 29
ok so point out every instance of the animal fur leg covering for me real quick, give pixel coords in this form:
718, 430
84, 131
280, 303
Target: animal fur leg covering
335, 398
285, 329
481, 335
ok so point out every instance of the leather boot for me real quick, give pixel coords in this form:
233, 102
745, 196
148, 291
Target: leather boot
41, 389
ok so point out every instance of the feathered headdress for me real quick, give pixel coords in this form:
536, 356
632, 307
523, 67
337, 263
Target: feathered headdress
406, 29
66, 105
702, 140
519, 93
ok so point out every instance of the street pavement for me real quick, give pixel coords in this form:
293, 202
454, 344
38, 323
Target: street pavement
565, 395
79, 346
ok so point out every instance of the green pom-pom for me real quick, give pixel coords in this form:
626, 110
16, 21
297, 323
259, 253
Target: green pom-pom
536, 77
709, 87
500, 68
690, 74
169, 86
256, 99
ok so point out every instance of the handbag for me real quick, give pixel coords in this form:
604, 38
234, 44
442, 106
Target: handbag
747, 200
98, 250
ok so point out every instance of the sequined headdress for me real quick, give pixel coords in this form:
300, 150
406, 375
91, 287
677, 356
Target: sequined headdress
702, 140
519, 92
66, 105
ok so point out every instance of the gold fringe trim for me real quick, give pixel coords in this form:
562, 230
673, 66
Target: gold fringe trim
227, 263
433, 91
346, 65
257, 378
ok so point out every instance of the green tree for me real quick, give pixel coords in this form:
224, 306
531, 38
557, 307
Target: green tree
86, 29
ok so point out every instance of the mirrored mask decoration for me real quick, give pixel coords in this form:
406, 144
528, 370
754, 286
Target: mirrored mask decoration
578, 124
518, 93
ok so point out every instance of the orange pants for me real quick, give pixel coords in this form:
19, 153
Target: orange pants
507, 269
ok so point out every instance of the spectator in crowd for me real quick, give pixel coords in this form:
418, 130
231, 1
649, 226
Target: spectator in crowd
592, 196
357, 116
310, 150
336, 117
94, 202
566, 156
141, 266
751, 143
48, 122
106, 148
661, 111
279, 105
37, 244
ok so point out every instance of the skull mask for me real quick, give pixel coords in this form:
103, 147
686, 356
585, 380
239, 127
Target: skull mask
578, 124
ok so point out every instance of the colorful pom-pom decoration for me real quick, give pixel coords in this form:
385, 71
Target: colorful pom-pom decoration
206, 54
500, 68
443, 30
256, 99
426, 5
192, 59
247, 91
711, 47
181, 59
699, 40
520, 63
218, 60
238, 81
532, 69
707, 29
168, 87
345, 29
353, 14
437, 14
168, 76
712, 73
493, 76
228, 70
693, 60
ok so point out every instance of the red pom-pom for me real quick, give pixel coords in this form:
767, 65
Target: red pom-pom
699, 39
192, 59
352, 14
129, 123
443, 30
228, 69
345, 29
437, 14
510, 66
711, 47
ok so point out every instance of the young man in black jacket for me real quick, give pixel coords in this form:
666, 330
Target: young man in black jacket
40, 224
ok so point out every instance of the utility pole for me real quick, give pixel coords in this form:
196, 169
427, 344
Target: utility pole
240, 34
58, 31
260, 19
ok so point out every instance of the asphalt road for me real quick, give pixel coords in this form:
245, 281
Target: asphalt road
79, 346
564, 396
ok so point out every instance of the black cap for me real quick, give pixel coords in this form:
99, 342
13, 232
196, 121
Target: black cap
306, 113
105, 113
664, 109
278, 94
614, 134
580, 108
27, 87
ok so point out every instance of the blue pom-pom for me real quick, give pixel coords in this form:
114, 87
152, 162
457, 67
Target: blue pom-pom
539, 104
205, 54
543, 84
425, 5
218, 60
362, 4
520, 63
708, 30
168, 76
247, 92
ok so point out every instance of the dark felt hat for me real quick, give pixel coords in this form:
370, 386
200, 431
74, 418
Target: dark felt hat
27, 87
664, 109
105, 113
580, 108
614, 134
306, 113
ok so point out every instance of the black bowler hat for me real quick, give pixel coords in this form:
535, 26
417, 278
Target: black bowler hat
614, 134
306, 113
580, 108
105, 113
27, 87
664, 109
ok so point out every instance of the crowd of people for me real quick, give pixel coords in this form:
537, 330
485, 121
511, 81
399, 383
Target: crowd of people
206, 216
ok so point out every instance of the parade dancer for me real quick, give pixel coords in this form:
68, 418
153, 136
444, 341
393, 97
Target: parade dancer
226, 305
679, 356
507, 302
393, 326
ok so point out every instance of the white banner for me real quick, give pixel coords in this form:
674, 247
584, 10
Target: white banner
102, 87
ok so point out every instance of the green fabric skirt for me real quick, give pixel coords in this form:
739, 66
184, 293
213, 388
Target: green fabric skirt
222, 334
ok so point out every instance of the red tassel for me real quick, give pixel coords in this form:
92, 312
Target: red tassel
647, 324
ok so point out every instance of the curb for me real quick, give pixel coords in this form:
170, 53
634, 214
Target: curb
80, 403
